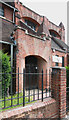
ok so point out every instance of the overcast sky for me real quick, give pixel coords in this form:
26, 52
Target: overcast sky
55, 11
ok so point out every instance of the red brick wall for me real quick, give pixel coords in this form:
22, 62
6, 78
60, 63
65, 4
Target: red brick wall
63, 35
29, 45
8, 13
42, 64
46, 109
25, 12
54, 107
58, 86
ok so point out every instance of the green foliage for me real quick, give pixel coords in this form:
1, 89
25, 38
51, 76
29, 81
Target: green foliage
6, 68
15, 101
67, 67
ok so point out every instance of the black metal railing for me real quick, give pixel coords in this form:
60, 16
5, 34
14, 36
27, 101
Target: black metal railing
67, 99
29, 87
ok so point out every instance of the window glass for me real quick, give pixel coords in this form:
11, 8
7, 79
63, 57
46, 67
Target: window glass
53, 33
56, 64
30, 24
62, 61
1, 11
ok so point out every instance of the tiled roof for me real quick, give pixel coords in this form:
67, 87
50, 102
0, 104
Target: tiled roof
9, 2
56, 46
7, 28
59, 44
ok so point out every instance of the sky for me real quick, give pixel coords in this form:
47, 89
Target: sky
55, 11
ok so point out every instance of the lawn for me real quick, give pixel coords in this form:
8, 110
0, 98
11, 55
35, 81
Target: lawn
14, 101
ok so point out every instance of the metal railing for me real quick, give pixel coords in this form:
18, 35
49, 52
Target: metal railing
24, 88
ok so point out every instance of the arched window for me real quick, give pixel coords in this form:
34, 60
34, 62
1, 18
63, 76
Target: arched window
30, 24
54, 33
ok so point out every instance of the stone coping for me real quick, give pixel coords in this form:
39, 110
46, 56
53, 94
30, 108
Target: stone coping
57, 67
30, 107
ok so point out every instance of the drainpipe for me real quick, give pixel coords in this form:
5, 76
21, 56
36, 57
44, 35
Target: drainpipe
11, 55
12, 45
14, 16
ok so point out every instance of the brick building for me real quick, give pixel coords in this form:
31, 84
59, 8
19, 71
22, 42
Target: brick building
34, 42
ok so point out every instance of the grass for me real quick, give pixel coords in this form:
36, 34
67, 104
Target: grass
14, 101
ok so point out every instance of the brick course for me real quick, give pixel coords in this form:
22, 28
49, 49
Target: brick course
29, 45
46, 109
58, 86
54, 107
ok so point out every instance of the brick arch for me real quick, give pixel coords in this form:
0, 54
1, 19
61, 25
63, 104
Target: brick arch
40, 56
35, 47
29, 45
55, 32
31, 19
37, 56
33, 61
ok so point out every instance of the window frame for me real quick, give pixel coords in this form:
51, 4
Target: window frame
31, 24
1, 11
62, 61
56, 63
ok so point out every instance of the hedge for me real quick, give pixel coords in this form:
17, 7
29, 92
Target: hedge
6, 68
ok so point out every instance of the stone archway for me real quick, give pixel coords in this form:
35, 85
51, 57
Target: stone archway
34, 65
31, 46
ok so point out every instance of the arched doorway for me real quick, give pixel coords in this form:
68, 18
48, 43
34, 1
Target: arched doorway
34, 66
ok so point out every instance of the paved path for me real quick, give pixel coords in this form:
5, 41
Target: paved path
34, 94
68, 116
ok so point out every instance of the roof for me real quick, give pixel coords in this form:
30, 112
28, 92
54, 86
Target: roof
9, 2
59, 44
56, 46
7, 29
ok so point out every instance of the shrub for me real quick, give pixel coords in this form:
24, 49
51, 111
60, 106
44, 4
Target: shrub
6, 68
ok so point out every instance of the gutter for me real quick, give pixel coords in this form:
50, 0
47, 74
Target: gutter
59, 50
9, 6
14, 16
7, 43
6, 19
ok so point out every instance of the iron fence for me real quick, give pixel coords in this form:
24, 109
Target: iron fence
29, 87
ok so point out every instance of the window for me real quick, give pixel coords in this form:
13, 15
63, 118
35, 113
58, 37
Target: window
1, 11
53, 33
30, 24
56, 64
62, 61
